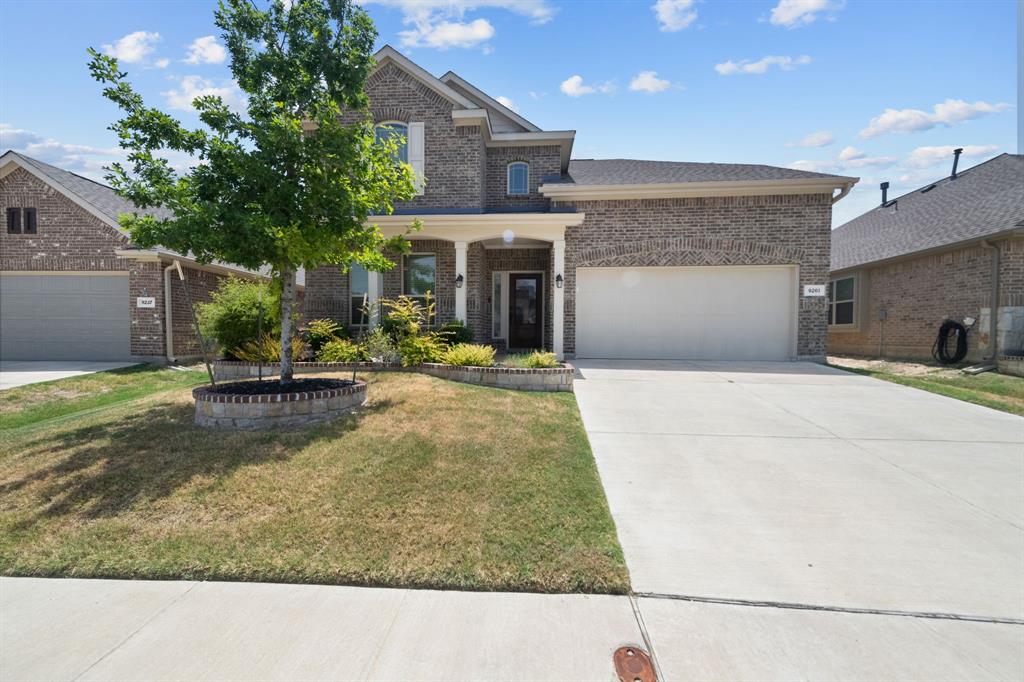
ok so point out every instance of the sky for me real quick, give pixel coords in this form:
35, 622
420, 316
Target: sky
882, 91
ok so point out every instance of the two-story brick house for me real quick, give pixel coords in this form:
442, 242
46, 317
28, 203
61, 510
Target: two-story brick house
590, 258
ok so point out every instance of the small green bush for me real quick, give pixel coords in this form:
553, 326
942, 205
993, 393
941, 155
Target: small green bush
535, 360
423, 348
232, 317
404, 316
320, 332
342, 350
380, 346
469, 355
456, 332
267, 348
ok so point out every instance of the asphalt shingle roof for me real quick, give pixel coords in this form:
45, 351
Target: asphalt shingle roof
983, 201
98, 195
637, 172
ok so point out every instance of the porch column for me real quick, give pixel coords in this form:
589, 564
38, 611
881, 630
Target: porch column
461, 263
558, 302
374, 288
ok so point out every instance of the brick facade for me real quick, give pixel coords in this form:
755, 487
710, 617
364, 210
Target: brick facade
544, 162
918, 294
756, 230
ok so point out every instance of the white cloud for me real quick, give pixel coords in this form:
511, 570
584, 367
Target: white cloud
537, 95
674, 15
447, 34
945, 113
923, 157
648, 81
206, 50
574, 87
191, 87
442, 24
162, 63
762, 65
506, 101
812, 166
851, 157
794, 13
134, 47
820, 138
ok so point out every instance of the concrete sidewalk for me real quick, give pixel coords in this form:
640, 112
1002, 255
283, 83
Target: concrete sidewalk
24, 372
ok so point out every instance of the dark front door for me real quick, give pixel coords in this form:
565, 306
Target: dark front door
526, 312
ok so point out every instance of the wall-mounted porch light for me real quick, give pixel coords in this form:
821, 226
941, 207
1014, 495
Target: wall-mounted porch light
458, 282
559, 281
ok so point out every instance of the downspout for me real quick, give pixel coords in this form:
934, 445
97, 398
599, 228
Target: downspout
168, 326
993, 321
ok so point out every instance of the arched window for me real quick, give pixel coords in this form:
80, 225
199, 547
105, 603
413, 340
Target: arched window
519, 178
390, 129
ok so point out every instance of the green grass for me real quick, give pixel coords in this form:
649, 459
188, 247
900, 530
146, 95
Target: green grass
25, 405
998, 391
432, 484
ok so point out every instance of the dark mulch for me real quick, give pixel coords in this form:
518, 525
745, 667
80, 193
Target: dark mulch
273, 387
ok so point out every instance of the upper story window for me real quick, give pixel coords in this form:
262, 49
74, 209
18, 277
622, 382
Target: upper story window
358, 289
21, 221
393, 129
519, 178
841, 299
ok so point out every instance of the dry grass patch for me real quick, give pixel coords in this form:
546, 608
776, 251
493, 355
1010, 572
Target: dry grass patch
432, 484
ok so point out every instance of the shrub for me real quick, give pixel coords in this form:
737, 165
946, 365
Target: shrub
341, 350
469, 355
232, 317
423, 348
267, 348
380, 346
535, 360
456, 332
404, 316
323, 331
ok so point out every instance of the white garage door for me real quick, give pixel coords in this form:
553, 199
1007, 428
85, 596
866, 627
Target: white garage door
64, 317
686, 313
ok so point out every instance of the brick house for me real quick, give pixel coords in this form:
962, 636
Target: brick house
949, 250
72, 285
589, 258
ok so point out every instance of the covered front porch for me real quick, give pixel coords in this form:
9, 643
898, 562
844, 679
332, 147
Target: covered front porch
502, 274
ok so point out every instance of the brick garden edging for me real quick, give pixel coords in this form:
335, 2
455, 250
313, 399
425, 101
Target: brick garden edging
518, 378
275, 410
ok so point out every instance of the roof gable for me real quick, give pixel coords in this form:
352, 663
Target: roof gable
498, 111
388, 54
983, 201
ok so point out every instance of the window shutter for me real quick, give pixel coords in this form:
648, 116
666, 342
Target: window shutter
14, 221
30, 221
416, 153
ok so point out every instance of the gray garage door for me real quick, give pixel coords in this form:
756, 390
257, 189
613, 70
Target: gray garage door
64, 317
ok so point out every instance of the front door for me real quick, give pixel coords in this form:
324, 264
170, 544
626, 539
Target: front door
526, 311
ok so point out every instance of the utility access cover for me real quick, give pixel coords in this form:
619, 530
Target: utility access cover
633, 665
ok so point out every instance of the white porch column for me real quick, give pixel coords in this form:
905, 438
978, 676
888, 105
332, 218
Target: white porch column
558, 311
374, 289
461, 263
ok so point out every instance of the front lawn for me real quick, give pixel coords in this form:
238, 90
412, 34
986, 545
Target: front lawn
433, 484
998, 391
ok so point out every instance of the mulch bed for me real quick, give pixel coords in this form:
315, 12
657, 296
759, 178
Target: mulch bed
276, 387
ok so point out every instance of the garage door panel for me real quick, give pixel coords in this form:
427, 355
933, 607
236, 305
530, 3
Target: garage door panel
65, 317
699, 313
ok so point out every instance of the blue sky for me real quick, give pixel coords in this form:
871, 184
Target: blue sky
878, 90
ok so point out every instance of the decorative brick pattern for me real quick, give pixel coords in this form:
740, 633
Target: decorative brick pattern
544, 162
920, 293
272, 411
756, 230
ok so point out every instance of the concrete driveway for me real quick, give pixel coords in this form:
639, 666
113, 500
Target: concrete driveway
23, 372
779, 488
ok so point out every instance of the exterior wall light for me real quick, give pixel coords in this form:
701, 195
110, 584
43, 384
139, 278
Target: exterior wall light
559, 281
458, 282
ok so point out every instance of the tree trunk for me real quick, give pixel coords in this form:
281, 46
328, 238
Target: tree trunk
287, 303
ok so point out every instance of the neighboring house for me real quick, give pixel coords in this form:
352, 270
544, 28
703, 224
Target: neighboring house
72, 285
589, 258
944, 251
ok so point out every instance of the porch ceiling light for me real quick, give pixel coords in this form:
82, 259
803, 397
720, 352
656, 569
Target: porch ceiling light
458, 281
559, 281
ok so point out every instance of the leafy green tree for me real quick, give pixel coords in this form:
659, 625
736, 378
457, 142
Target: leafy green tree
291, 182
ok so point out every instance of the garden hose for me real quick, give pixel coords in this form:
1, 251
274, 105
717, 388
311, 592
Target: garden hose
940, 350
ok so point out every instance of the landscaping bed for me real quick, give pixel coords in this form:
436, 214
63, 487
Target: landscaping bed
430, 484
275, 404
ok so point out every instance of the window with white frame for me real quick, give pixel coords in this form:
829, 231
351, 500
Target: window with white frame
419, 275
359, 291
394, 130
518, 178
841, 301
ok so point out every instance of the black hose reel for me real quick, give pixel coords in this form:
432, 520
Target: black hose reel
950, 345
